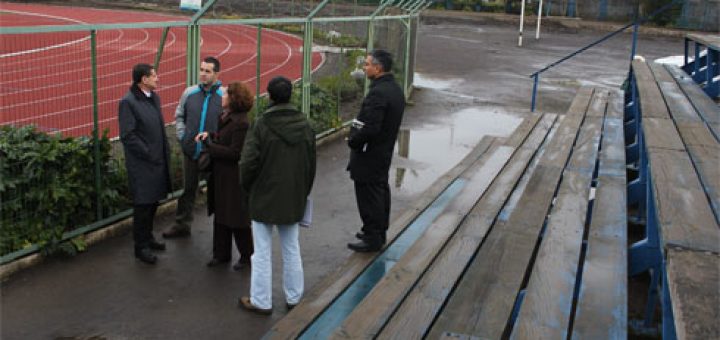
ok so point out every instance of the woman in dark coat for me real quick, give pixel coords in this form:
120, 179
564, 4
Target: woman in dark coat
226, 198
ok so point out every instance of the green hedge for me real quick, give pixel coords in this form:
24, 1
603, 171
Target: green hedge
47, 187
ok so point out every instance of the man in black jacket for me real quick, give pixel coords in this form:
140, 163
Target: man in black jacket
371, 141
147, 155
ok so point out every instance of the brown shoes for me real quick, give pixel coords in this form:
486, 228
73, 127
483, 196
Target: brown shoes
244, 302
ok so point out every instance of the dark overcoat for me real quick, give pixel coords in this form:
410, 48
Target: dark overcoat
147, 153
371, 146
226, 198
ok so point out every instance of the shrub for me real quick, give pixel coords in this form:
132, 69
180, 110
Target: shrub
47, 187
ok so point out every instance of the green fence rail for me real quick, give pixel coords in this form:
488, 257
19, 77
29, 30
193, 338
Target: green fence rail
78, 77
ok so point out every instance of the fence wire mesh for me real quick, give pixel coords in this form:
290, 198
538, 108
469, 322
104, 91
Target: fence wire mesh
50, 93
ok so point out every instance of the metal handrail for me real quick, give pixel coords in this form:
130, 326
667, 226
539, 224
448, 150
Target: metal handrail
635, 24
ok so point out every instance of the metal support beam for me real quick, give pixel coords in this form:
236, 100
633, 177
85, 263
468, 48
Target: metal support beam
96, 132
307, 56
158, 56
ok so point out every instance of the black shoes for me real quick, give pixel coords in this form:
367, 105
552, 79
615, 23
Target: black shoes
155, 245
176, 231
215, 262
360, 235
145, 255
241, 263
364, 246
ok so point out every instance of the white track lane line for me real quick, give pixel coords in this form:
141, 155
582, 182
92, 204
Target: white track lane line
165, 88
7, 55
119, 60
26, 119
58, 56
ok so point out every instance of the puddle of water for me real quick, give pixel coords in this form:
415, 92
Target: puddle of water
420, 80
677, 60
424, 154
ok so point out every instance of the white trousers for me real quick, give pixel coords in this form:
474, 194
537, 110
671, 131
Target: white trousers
261, 272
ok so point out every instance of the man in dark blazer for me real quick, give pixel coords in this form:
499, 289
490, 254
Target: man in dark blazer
147, 155
371, 141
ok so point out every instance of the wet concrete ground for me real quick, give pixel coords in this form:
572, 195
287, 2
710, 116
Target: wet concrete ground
473, 81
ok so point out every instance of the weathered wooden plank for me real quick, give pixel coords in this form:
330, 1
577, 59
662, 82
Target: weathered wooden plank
602, 303
662, 134
704, 152
684, 214
416, 313
678, 104
520, 133
545, 311
711, 40
705, 107
373, 311
651, 101
483, 300
615, 105
598, 104
693, 281
317, 299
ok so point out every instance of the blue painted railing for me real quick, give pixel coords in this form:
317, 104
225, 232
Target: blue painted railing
635, 24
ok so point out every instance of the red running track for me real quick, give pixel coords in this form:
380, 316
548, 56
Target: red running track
46, 79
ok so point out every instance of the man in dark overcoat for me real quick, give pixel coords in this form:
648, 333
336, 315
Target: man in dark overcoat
371, 141
147, 156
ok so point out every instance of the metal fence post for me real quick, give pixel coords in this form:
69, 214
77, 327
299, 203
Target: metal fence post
158, 56
408, 37
307, 57
257, 72
96, 134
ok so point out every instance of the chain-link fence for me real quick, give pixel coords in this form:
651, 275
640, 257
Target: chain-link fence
61, 164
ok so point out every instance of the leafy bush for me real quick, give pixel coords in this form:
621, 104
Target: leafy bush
47, 187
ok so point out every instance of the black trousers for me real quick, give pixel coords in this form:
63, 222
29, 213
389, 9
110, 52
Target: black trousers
373, 200
222, 242
143, 216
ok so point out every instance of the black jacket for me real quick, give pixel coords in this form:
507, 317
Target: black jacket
147, 154
278, 165
371, 146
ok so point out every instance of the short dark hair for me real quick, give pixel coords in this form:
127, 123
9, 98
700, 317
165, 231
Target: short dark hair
382, 57
139, 71
280, 90
214, 61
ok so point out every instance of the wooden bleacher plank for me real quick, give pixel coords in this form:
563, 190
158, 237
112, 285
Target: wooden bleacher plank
373, 311
704, 105
711, 40
416, 313
693, 284
702, 146
318, 298
545, 311
602, 303
661, 134
683, 211
598, 104
678, 104
651, 101
482, 302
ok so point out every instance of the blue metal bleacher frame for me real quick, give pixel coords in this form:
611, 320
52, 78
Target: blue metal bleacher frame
704, 69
